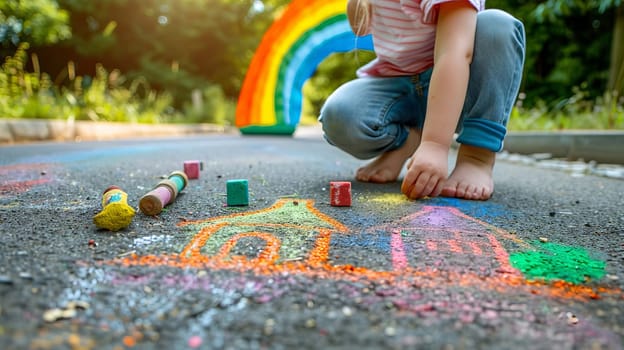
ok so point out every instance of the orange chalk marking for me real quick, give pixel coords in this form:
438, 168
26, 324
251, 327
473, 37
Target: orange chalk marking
129, 341
475, 237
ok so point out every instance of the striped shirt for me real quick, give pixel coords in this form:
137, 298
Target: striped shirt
404, 35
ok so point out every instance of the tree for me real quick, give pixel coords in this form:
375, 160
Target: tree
38, 22
557, 8
177, 45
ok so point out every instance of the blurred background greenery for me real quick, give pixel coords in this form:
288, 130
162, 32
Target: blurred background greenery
184, 61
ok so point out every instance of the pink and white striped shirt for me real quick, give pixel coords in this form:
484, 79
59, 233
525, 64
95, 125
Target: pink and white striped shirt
404, 35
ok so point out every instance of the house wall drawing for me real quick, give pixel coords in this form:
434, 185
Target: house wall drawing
293, 236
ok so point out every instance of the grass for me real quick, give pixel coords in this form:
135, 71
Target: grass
574, 113
109, 97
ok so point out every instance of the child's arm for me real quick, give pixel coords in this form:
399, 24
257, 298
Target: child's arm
359, 14
454, 44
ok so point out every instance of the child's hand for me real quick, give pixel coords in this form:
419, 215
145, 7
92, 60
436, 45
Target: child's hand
427, 171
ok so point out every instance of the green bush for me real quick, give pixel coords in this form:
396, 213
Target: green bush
108, 96
209, 106
576, 112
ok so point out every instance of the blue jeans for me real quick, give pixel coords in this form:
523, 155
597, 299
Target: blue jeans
372, 115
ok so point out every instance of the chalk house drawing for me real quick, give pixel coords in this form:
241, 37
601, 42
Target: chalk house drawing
294, 236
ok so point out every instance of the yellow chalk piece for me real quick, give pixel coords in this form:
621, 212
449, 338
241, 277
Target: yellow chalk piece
117, 214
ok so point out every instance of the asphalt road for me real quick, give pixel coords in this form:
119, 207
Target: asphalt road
539, 266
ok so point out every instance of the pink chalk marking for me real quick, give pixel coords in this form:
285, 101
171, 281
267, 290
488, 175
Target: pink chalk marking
454, 246
194, 341
399, 259
501, 255
476, 250
431, 245
20, 186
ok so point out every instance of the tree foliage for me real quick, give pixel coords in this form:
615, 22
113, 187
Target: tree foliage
191, 47
38, 22
552, 9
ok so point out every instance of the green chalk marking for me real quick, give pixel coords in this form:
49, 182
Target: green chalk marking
287, 214
293, 223
553, 261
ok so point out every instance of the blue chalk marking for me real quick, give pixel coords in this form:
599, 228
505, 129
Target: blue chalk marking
476, 209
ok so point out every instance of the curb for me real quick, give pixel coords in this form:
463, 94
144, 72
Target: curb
603, 146
32, 130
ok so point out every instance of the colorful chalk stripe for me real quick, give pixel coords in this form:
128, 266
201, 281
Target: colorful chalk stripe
298, 239
297, 42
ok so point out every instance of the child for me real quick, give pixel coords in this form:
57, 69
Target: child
442, 66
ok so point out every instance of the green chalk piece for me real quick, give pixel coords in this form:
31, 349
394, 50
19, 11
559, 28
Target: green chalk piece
179, 179
237, 192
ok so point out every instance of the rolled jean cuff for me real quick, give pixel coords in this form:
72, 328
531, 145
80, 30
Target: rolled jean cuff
482, 133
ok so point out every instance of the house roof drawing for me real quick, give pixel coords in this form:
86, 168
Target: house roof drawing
292, 236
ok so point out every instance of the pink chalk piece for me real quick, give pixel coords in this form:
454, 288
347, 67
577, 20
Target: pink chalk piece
192, 168
153, 202
163, 194
340, 193
194, 341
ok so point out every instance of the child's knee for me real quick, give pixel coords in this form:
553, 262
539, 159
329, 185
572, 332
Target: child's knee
334, 118
498, 26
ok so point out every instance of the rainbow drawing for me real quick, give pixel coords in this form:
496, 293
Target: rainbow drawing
296, 43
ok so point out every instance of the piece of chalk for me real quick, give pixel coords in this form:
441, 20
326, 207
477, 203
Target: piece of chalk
192, 168
340, 193
154, 202
116, 213
165, 192
180, 179
237, 192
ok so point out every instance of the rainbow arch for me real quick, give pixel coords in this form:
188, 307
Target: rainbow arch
306, 33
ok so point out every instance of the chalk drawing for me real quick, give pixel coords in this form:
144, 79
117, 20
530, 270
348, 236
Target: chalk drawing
19, 178
551, 261
295, 237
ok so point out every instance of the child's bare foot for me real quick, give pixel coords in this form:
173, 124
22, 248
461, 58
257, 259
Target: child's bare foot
387, 167
472, 176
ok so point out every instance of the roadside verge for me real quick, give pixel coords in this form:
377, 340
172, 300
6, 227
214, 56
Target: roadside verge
605, 146
30, 130
587, 145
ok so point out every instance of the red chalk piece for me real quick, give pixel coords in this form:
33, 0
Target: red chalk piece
192, 168
340, 193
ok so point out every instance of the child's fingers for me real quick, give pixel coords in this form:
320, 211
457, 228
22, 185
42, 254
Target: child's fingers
438, 189
420, 186
432, 188
408, 182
